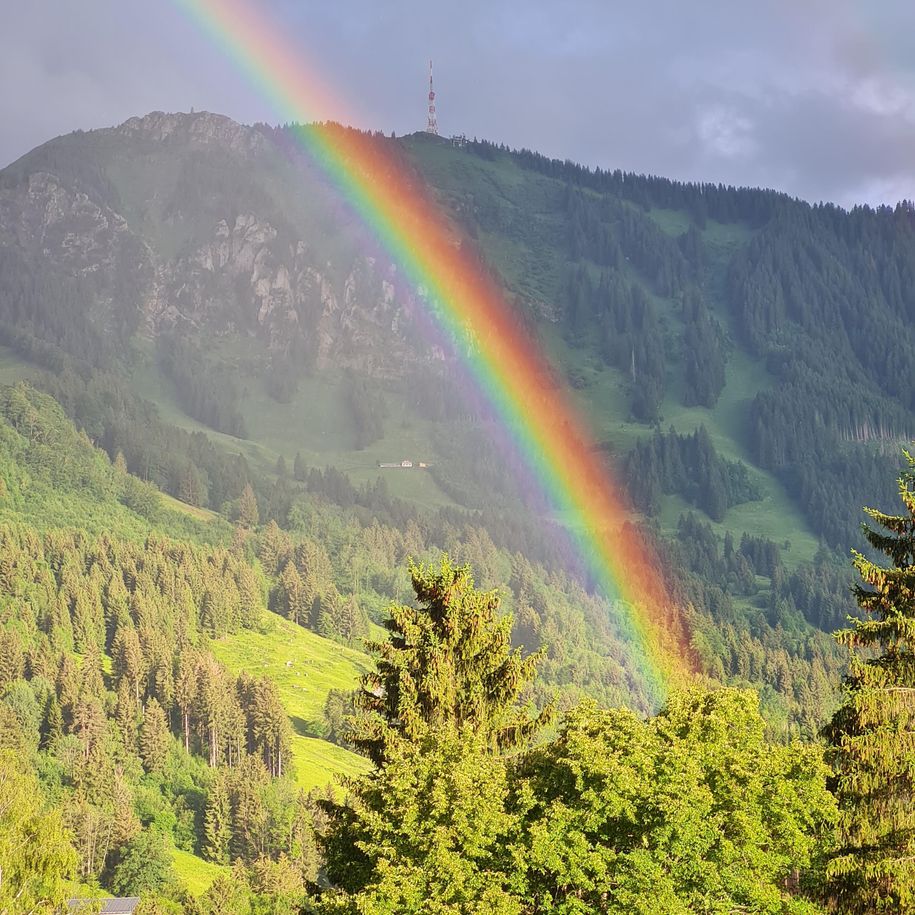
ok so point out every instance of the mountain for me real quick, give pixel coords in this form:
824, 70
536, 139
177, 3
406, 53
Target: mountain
197, 299
215, 258
205, 360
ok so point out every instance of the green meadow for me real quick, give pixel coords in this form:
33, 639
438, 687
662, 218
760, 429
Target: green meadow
305, 667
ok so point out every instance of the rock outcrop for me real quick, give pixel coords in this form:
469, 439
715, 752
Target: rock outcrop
204, 264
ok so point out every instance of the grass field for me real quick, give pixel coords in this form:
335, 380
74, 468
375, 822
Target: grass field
605, 404
317, 762
195, 873
305, 667
13, 367
195, 511
318, 424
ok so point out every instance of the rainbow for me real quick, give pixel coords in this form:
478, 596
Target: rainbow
505, 363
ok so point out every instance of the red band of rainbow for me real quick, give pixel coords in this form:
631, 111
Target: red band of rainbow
498, 353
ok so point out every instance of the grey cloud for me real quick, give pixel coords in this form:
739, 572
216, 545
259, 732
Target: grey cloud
814, 97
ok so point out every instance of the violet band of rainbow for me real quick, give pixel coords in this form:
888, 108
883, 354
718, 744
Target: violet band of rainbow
497, 352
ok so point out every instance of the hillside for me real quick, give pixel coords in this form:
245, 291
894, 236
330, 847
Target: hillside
189, 291
107, 587
305, 668
239, 299
206, 361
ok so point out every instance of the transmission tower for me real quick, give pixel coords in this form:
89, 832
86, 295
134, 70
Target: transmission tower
432, 123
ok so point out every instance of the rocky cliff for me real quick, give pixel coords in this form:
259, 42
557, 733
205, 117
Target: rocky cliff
192, 222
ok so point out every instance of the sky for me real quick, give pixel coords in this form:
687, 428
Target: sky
812, 97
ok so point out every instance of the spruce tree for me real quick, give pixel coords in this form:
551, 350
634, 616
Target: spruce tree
448, 663
428, 831
293, 595
299, 467
154, 737
217, 824
247, 507
872, 736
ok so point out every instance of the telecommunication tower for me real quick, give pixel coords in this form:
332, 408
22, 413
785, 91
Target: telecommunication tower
432, 123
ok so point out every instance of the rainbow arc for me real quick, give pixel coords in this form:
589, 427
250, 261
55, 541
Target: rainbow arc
503, 361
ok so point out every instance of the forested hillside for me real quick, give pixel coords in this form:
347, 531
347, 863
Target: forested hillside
187, 290
207, 361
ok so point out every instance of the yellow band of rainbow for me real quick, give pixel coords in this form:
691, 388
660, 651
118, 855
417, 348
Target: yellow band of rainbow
499, 354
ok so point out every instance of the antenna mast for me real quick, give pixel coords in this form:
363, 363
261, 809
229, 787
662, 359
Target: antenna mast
432, 123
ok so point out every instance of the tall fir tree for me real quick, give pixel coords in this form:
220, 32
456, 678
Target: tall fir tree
154, 737
217, 824
448, 663
872, 735
248, 514
428, 831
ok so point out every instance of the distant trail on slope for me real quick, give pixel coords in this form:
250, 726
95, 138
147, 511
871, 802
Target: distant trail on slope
502, 362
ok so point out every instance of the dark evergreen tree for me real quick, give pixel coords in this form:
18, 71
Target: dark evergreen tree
872, 736
299, 468
248, 515
154, 737
218, 822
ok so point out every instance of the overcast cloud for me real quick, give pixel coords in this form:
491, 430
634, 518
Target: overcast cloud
814, 97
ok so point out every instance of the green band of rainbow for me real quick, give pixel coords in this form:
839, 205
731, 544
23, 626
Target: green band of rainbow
506, 364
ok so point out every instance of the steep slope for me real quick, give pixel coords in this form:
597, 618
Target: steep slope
197, 299
678, 306
213, 264
113, 603
306, 668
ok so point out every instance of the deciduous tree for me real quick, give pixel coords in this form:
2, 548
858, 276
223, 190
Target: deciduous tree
36, 855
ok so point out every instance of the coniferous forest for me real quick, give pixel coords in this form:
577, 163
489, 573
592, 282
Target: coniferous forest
283, 628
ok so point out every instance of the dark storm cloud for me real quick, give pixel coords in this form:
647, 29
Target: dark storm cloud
816, 98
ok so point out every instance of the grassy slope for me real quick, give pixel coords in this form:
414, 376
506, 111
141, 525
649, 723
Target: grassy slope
318, 423
305, 667
51, 494
13, 367
195, 873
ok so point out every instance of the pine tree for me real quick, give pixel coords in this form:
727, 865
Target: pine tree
271, 548
125, 714
186, 692
872, 736
448, 664
294, 606
427, 830
269, 725
12, 656
128, 660
154, 737
218, 822
247, 507
189, 487
54, 723
299, 467
325, 613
